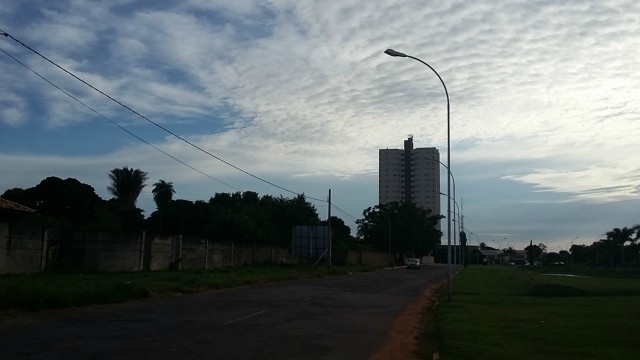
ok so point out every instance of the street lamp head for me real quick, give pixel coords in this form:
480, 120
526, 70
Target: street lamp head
392, 52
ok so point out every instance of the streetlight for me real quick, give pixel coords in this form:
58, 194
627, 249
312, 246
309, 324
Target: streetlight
477, 239
500, 248
454, 200
394, 53
456, 220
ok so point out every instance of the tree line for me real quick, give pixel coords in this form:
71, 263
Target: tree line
244, 217
70, 205
618, 248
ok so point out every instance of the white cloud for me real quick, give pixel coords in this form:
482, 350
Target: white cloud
12, 110
542, 94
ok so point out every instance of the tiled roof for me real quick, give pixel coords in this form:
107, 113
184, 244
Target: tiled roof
14, 207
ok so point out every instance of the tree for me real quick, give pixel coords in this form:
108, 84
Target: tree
404, 227
126, 185
618, 237
535, 252
66, 204
341, 240
162, 194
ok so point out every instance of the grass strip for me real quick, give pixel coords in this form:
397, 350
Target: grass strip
513, 313
49, 291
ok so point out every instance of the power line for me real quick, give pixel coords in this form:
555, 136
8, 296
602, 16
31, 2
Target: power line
113, 122
342, 211
147, 119
2, 32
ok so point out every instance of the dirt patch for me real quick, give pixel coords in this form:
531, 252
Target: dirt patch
401, 341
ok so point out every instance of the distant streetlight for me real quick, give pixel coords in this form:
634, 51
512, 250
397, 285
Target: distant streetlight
456, 220
454, 200
394, 53
477, 238
499, 248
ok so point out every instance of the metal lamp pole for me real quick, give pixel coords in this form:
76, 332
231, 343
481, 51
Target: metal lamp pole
453, 179
394, 53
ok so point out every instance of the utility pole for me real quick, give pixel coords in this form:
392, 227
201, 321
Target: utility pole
464, 246
329, 225
391, 259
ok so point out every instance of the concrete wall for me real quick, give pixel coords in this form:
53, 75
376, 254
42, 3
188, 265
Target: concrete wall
427, 260
21, 249
91, 252
22, 252
378, 259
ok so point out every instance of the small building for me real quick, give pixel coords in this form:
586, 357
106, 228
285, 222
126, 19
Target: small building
10, 210
490, 256
519, 258
22, 247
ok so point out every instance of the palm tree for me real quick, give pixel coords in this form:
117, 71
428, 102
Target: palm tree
620, 237
162, 195
126, 185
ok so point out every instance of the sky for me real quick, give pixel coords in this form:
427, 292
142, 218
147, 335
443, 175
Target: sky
544, 118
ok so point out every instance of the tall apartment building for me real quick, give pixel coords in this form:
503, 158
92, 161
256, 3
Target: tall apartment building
410, 175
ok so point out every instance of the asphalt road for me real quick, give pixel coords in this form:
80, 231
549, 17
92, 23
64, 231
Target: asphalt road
345, 317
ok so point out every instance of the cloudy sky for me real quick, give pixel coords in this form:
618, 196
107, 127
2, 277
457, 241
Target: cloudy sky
544, 102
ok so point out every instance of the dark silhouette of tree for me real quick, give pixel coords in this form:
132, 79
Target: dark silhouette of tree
341, 240
126, 185
162, 194
244, 218
409, 229
618, 237
64, 204
535, 252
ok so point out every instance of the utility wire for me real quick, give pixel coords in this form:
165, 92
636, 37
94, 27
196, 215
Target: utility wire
146, 118
342, 211
5, 34
113, 122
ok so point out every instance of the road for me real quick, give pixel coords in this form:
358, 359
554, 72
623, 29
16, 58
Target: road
343, 317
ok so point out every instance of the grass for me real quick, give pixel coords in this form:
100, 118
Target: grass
49, 291
511, 313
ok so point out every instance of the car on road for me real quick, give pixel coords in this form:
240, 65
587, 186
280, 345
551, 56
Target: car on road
413, 263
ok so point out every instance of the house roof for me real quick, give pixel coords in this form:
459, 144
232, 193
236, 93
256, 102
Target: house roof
487, 252
10, 206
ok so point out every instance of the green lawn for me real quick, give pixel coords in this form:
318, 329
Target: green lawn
500, 312
46, 291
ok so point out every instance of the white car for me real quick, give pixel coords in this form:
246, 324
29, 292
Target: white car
413, 263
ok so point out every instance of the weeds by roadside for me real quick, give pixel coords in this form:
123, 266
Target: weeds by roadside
49, 291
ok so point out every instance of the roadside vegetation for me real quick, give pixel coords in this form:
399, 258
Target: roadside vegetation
48, 291
502, 312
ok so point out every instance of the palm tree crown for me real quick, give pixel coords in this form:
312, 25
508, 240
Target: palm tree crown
127, 184
162, 193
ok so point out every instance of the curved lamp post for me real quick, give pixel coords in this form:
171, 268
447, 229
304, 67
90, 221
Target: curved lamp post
453, 179
456, 220
394, 53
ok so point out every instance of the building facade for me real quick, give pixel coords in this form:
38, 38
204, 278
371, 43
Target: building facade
410, 175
